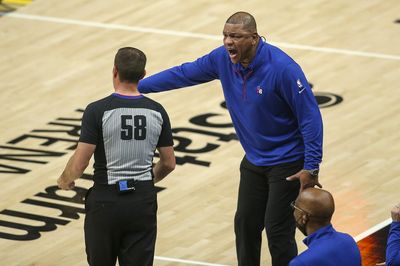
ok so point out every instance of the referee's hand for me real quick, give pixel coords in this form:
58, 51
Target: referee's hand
65, 184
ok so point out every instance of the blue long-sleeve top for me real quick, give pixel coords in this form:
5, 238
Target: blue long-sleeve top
393, 245
272, 107
327, 247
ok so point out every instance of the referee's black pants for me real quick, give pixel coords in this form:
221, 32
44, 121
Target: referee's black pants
264, 202
121, 225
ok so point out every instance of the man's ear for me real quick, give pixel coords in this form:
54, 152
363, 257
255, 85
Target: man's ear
115, 72
304, 218
254, 41
144, 74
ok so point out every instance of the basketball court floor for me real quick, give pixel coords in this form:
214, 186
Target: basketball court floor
57, 56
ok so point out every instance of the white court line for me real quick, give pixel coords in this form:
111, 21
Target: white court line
188, 261
373, 230
192, 35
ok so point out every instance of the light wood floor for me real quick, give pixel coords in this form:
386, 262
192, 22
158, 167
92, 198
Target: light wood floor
56, 57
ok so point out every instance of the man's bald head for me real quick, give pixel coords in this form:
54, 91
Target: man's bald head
317, 202
244, 18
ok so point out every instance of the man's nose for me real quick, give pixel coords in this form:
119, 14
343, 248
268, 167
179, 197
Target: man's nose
228, 40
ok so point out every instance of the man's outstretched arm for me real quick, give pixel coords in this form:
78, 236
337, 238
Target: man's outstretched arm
200, 71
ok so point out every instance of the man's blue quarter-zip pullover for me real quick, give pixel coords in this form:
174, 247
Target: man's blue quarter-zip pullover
273, 109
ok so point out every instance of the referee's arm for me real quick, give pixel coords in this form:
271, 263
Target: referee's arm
166, 164
76, 165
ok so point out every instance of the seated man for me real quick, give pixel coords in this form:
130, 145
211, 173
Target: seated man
313, 210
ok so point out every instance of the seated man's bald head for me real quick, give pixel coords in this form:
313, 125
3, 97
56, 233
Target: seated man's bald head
317, 202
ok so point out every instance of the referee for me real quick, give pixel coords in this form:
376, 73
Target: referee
123, 131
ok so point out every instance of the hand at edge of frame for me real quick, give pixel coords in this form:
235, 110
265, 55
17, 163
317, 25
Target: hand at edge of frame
396, 213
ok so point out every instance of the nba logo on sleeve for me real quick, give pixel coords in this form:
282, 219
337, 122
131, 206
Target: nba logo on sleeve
300, 86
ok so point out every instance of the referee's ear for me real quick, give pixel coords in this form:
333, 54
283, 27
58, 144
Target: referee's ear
143, 75
115, 72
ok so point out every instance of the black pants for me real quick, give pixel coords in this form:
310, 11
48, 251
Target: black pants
264, 202
121, 225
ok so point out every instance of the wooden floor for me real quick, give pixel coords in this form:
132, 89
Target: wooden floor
56, 57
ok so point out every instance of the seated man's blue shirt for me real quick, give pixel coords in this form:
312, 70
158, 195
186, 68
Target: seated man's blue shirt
327, 247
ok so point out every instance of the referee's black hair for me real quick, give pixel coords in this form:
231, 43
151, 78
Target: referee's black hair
130, 63
241, 17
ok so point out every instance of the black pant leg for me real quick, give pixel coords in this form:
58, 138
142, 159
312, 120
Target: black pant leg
279, 221
249, 218
101, 239
140, 230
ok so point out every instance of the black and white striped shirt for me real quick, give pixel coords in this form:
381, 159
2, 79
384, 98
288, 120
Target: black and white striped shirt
126, 131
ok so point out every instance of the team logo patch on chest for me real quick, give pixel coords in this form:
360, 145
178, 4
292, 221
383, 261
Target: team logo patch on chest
259, 90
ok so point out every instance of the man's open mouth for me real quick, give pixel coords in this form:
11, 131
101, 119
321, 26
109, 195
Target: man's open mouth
232, 53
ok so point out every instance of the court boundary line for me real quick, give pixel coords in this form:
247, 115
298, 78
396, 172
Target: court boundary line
372, 230
192, 262
193, 35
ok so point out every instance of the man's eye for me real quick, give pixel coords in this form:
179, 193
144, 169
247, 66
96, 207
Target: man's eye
233, 36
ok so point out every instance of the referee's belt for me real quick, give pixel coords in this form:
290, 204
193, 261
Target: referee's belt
125, 186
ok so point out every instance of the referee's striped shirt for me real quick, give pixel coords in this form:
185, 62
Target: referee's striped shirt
126, 131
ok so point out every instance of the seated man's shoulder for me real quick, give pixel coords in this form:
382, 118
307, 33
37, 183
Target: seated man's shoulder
308, 257
346, 239
338, 249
